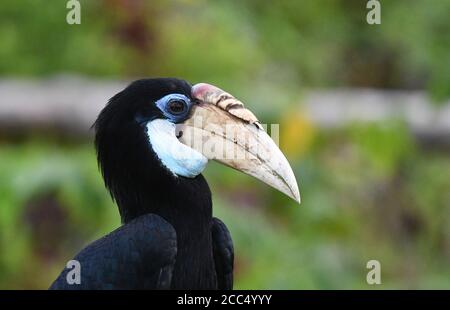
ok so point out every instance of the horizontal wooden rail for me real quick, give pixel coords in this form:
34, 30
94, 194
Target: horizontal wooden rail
69, 106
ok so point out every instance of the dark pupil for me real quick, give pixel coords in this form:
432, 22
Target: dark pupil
176, 106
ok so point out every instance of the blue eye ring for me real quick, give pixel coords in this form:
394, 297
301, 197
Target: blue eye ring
166, 105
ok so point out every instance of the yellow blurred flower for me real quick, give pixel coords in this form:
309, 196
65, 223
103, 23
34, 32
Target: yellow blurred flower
296, 134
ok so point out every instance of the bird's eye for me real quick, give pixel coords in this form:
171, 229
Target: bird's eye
177, 107
174, 106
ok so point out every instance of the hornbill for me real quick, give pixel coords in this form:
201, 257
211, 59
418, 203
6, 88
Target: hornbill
153, 140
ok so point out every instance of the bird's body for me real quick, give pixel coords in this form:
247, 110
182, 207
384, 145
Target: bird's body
175, 246
142, 254
169, 238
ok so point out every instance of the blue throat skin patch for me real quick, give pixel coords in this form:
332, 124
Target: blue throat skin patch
177, 157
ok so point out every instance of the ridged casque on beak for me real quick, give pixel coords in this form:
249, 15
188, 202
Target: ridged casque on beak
222, 129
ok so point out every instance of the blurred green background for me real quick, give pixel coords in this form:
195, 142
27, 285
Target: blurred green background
370, 190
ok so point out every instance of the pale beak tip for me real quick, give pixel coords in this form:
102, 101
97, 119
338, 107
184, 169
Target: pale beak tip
296, 195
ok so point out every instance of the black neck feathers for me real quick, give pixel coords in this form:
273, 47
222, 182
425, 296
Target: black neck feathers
140, 184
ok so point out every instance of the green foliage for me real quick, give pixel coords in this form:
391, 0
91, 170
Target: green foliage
52, 202
36, 40
312, 43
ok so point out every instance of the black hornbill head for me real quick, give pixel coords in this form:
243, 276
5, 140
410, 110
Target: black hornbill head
158, 135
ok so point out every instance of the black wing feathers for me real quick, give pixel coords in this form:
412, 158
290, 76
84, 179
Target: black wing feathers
138, 255
223, 255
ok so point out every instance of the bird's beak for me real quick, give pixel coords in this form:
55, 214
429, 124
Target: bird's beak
221, 128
